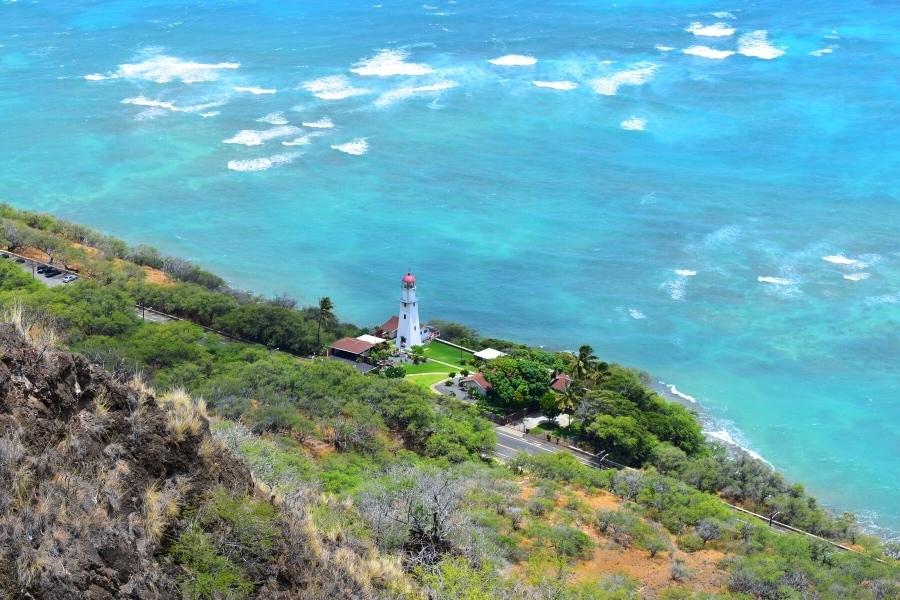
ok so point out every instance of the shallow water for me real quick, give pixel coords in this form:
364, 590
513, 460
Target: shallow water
715, 207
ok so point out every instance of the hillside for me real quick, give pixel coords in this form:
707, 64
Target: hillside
151, 460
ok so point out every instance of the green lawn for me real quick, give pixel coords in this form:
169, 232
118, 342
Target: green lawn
429, 367
449, 354
425, 381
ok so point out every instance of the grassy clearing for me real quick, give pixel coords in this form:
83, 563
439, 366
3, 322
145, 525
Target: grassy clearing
448, 354
427, 380
429, 367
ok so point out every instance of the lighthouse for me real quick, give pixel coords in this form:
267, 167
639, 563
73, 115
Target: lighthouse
409, 333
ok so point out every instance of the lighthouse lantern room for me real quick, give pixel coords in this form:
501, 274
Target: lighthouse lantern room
409, 333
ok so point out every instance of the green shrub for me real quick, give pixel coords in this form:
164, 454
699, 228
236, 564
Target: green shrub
690, 542
209, 574
540, 506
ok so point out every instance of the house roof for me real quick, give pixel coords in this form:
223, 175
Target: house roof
489, 353
352, 345
561, 382
391, 325
479, 379
371, 338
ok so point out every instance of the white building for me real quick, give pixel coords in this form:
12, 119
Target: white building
409, 333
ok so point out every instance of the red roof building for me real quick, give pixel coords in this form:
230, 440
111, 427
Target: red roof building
350, 348
389, 329
476, 382
560, 382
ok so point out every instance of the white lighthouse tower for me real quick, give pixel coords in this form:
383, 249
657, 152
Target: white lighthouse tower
409, 333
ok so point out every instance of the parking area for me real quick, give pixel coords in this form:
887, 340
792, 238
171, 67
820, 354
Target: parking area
32, 266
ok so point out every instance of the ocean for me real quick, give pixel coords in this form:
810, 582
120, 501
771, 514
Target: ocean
704, 190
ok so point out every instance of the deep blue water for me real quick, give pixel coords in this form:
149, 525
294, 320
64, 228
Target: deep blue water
557, 213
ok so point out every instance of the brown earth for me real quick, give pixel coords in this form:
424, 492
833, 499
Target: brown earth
609, 558
153, 275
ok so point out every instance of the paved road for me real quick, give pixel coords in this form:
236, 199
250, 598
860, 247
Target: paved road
510, 442
30, 266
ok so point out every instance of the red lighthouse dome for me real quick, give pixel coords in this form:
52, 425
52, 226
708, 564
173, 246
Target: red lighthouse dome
409, 278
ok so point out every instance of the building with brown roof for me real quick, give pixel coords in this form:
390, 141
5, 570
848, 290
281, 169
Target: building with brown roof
389, 328
561, 382
351, 348
476, 383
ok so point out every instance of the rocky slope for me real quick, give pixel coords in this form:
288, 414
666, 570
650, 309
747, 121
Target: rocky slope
92, 474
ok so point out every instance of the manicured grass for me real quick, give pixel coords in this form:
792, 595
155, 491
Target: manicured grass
449, 354
428, 367
425, 381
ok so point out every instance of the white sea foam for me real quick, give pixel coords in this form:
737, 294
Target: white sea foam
724, 436
334, 87
674, 391
261, 164
164, 69
324, 123
664, 48
409, 91
514, 60
715, 30
357, 147
608, 86
249, 137
827, 50
856, 276
199, 107
142, 101
556, 85
300, 141
275, 118
633, 124
675, 289
256, 91
214, 113
150, 113
707, 52
636, 314
756, 45
685, 272
388, 63
161, 104
839, 259
723, 15
775, 280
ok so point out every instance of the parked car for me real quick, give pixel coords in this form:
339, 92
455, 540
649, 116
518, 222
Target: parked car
21, 261
4, 255
51, 272
43, 268
69, 278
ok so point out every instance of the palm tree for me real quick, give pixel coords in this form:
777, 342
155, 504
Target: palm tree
585, 363
325, 316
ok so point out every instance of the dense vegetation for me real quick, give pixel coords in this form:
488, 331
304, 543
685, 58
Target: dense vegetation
367, 486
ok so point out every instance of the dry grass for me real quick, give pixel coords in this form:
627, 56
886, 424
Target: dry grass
185, 416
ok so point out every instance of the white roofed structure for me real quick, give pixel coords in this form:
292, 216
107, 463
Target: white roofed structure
489, 353
371, 339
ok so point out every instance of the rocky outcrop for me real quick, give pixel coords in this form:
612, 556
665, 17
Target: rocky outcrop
92, 473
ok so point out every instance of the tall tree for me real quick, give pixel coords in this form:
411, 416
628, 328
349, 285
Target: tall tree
325, 317
585, 363
587, 369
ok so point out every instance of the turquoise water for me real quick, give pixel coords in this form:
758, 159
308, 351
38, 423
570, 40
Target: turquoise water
555, 213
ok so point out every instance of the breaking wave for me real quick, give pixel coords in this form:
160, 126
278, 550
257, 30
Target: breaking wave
261, 164
334, 87
514, 60
608, 86
388, 63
